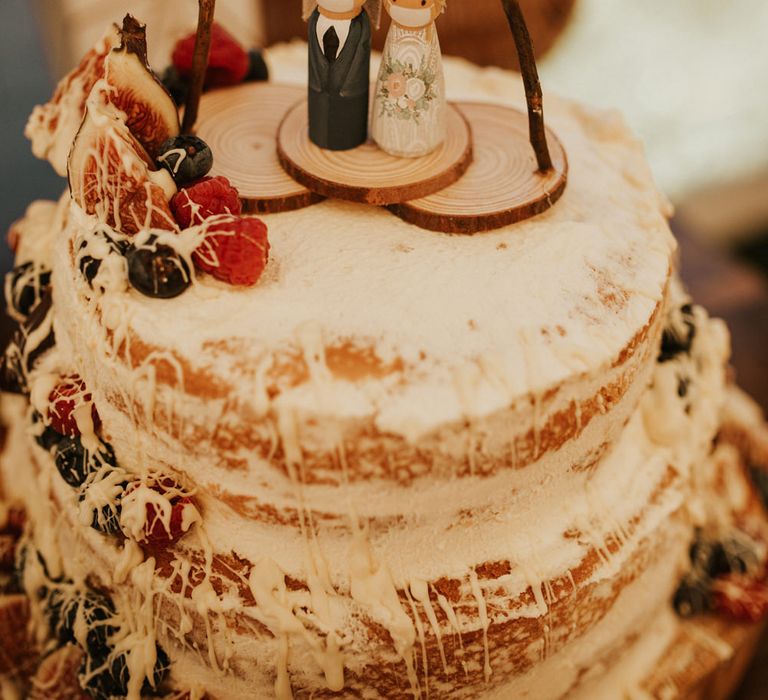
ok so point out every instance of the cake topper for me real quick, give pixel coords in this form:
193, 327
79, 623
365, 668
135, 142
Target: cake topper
409, 108
339, 69
199, 63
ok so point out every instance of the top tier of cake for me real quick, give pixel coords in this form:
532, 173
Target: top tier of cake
401, 332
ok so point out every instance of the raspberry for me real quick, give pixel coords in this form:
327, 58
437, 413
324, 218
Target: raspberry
741, 598
237, 255
203, 198
154, 532
64, 399
228, 63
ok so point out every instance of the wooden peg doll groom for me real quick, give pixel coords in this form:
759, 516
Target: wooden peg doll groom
339, 71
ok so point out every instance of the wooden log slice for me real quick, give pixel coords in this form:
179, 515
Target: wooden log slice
240, 125
367, 174
502, 186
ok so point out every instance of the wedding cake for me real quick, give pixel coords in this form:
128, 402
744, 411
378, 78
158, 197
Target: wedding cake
390, 463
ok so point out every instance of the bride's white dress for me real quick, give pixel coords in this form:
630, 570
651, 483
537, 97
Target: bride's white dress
409, 106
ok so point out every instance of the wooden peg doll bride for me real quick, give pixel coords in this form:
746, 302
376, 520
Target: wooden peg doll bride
409, 106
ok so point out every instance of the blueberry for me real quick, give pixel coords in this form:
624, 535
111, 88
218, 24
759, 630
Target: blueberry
677, 337
25, 286
76, 464
186, 158
107, 676
175, 84
67, 608
48, 438
257, 69
106, 510
21, 356
37, 319
158, 271
693, 596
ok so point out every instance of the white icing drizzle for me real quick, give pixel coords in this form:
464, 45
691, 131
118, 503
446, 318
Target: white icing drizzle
422, 637
420, 592
485, 622
371, 585
453, 621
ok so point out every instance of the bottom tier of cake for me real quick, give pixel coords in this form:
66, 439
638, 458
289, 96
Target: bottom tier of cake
621, 649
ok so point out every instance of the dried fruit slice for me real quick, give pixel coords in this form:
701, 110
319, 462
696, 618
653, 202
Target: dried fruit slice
56, 677
110, 175
52, 127
17, 655
150, 112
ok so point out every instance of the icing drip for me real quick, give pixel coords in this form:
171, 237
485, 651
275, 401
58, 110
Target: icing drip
371, 585
420, 593
420, 632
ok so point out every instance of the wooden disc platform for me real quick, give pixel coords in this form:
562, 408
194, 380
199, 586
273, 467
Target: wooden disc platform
240, 125
367, 174
502, 186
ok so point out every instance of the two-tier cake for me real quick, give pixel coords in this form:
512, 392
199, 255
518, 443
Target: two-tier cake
396, 463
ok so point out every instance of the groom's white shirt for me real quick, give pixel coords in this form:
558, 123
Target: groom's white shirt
340, 25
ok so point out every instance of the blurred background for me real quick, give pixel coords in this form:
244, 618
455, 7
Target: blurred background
691, 76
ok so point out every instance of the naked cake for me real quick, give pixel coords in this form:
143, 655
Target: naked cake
357, 458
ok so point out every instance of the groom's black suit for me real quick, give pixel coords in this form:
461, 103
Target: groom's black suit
338, 89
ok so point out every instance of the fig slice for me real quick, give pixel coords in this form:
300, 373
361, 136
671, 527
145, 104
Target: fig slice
150, 112
52, 127
111, 176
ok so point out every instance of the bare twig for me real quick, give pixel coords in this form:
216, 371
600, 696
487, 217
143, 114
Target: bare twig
531, 82
199, 63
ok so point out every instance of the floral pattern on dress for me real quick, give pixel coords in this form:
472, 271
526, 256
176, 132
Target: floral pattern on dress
405, 92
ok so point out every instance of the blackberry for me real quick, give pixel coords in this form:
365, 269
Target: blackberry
257, 67
186, 158
713, 558
158, 271
693, 596
90, 609
107, 676
25, 286
734, 556
76, 464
